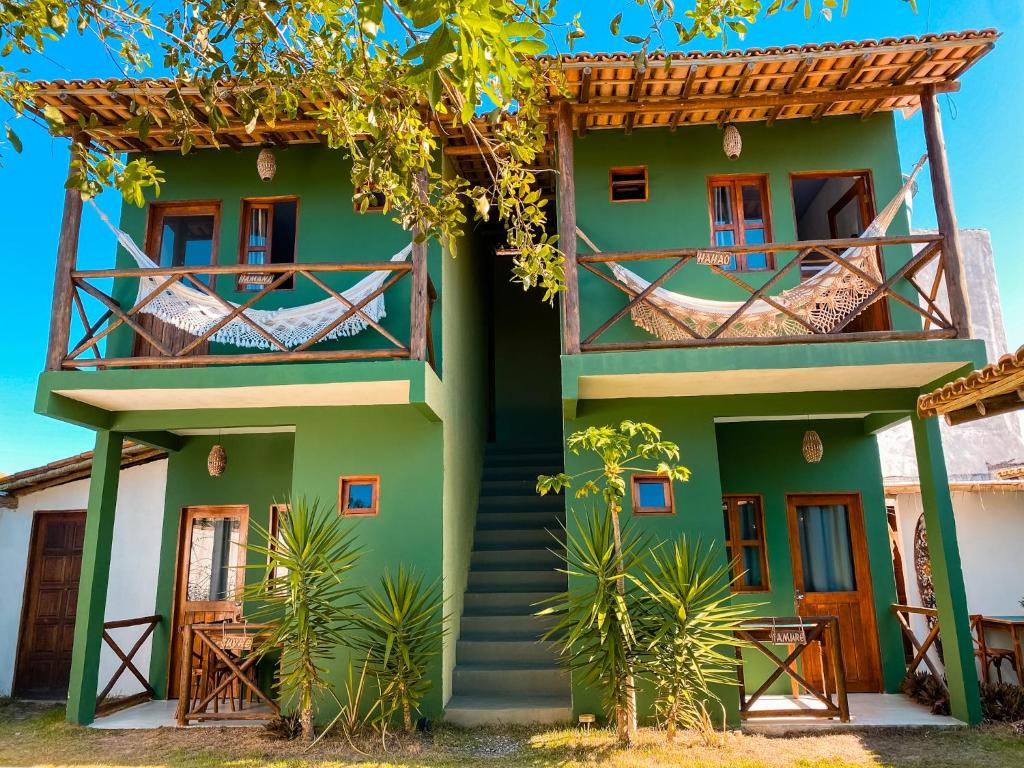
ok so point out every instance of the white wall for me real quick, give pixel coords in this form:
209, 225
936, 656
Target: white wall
133, 562
990, 531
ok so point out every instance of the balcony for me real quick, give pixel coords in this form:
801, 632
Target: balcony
822, 291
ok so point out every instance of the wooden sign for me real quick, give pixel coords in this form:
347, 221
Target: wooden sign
789, 636
714, 258
256, 278
234, 642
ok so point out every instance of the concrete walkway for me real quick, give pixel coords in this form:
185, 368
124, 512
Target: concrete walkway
161, 714
867, 710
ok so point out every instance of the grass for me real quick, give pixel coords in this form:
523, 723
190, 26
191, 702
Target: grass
40, 737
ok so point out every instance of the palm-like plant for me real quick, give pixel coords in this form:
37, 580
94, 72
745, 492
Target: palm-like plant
305, 596
687, 626
631, 446
403, 626
595, 624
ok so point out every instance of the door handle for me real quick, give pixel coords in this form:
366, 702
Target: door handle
799, 596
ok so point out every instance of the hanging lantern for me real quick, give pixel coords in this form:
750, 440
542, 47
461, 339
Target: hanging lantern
266, 164
812, 448
217, 461
732, 142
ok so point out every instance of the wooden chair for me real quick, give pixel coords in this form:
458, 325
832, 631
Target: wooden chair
988, 655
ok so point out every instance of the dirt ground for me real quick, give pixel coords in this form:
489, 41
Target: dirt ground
34, 735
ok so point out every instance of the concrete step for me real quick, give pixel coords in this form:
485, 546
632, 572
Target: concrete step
512, 559
492, 520
473, 711
518, 486
518, 538
493, 679
517, 581
480, 603
545, 458
521, 503
497, 651
521, 471
505, 627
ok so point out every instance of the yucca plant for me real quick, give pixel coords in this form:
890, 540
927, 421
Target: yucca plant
305, 597
688, 632
402, 628
630, 447
595, 625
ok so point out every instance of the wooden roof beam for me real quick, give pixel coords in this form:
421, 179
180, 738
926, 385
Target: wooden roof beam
634, 96
844, 83
758, 101
583, 98
737, 91
691, 77
795, 82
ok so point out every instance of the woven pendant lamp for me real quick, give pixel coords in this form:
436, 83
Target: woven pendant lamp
812, 447
732, 142
217, 461
266, 164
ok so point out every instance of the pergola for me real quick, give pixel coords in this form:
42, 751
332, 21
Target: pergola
997, 388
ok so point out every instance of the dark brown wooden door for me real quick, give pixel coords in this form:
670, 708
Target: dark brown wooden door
831, 577
211, 573
51, 599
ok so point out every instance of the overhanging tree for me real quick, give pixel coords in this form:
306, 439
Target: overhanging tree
392, 76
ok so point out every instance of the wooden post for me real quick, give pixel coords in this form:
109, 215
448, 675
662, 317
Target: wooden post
418, 302
95, 573
567, 231
947, 576
67, 255
952, 255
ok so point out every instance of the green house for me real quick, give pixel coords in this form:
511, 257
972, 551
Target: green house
735, 296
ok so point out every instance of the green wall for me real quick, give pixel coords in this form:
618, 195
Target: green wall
676, 212
762, 458
765, 458
329, 230
258, 473
465, 428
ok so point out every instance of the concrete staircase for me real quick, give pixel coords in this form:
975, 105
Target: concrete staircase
503, 673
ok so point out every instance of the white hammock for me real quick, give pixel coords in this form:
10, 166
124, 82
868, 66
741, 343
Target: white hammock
821, 301
195, 312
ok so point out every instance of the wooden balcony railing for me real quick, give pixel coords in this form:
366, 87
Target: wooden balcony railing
82, 291
912, 286
105, 705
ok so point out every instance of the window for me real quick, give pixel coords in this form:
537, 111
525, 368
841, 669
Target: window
359, 495
269, 228
277, 514
652, 495
374, 201
828, 206
744, 542
215, 554
740, 216
183, 234
627, 185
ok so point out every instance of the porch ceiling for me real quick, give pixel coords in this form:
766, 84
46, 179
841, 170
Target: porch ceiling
764, 380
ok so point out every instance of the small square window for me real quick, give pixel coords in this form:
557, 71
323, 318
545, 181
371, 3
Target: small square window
628, 185
652, 495
359, 495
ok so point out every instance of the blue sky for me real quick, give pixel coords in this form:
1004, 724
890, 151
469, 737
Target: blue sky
982, 122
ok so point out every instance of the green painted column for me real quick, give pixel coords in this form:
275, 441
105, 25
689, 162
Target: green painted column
947, 578
92, 585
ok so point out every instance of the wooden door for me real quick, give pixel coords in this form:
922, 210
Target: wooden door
211, 563
831, 577
51, 599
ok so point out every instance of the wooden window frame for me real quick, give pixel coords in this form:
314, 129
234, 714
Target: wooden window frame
736, 182
370, 208
628, 169
248, 203
154, 225
635, 480
735, 545
345, 482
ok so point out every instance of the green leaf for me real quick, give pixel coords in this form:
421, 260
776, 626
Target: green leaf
614, 26
12, 137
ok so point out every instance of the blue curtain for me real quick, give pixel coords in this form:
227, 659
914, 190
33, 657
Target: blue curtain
825, 548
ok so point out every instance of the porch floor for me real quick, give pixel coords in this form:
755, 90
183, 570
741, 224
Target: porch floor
871, 710
161, 714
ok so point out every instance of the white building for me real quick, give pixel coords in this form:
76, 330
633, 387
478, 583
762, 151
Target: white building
42, 518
